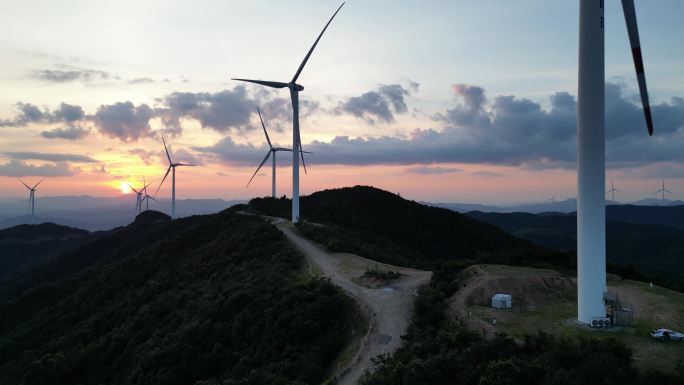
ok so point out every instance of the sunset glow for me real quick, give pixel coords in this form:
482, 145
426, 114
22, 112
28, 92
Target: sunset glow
423, 110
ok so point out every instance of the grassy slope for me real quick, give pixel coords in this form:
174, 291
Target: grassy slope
212, 298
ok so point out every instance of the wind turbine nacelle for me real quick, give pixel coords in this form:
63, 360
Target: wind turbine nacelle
299, 87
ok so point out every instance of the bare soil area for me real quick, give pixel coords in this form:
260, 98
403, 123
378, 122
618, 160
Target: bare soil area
388, 307
543, 300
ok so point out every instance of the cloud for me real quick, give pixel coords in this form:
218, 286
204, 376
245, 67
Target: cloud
18, 168
505, 130
145, 156
68, 113
221, 111
50, 157
70, 75
381, 104
124, 121
71, 133
143, 80
488, 174
28, 113
432, 170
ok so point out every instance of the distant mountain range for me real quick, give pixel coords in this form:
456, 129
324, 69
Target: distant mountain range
97, 213
561, 206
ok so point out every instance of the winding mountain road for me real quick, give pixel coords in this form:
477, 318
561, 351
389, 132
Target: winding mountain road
388, 308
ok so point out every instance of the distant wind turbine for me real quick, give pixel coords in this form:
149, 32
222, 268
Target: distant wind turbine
663, 190
172, 166
146, 198
591, 144
272, 151
32, 198
139, 196
612, 190
296, 138
553, 198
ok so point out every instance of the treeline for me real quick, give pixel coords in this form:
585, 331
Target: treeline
439, 350
203, 300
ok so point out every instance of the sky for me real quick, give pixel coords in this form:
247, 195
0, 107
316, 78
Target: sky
451, 101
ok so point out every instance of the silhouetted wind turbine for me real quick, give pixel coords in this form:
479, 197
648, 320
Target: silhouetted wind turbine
172, 166
612, 190
663, 190
296, 138
139, 196
272, 151
32, 198
591, 144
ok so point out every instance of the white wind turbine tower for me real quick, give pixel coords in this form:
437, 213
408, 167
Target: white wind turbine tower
613, 190
296, 138
172, 166
591, 142
32, 198
663, 190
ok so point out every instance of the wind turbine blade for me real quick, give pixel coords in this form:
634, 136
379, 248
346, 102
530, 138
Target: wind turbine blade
22, 182
163, 179
263, 83
36, 185
633, 30
669, 192
616, 190
301, 151
153, 198
185, 164
264, 127
306, 58
136, 191
167, 150
268, 154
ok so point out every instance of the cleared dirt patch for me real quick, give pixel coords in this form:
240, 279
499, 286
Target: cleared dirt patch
543, 300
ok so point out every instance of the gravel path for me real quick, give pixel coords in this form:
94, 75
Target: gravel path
389, 308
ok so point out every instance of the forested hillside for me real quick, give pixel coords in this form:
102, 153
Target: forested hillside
200, 300
656, 251
25, 245
383, 226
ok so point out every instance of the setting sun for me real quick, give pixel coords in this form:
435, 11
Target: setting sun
125, 188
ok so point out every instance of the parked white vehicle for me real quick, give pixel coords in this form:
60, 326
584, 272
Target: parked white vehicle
666, 335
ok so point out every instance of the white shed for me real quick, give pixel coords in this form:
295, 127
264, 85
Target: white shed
502, 301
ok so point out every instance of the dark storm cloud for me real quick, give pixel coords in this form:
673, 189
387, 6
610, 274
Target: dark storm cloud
18, 168
124, 121
71, 133
505, 130
50, 157
382, 103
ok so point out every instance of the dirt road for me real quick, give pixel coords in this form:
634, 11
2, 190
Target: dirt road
389, 307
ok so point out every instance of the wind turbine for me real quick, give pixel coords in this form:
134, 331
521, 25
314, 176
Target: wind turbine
32, 198
591, 143
663, 190
296, 138
172, 166
553, 198
612, 190
147, 198
139, 196
272, 150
